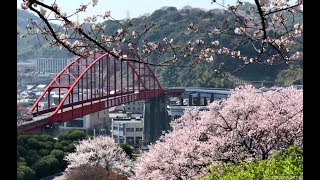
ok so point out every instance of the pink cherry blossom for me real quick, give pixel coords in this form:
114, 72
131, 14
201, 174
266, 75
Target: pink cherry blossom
249, 124
100, 150
265, 27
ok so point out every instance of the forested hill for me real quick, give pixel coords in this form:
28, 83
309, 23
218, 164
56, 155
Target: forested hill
172, 23
33, 46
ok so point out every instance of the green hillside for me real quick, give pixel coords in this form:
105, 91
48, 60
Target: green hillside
172, 23
33, 46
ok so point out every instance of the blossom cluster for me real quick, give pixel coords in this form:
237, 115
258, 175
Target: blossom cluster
100, 150
250, 124
268, 28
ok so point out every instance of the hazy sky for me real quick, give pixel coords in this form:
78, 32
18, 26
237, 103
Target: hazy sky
136, 8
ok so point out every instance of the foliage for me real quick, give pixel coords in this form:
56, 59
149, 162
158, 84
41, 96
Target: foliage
59, 155
201, 75
46, 166
65, 142
43, 154
72, 135
263, 37
101, 151
127, 149
33, 46
248, 125
32, 157
69, 148
290, 76
24, 172
285, 164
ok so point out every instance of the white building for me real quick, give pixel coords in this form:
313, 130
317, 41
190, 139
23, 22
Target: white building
127, 130
94, 121
177, 111
26, 65
40, 88
134, 107
51, 65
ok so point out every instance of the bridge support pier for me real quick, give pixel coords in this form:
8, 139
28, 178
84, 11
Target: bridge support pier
211, 98
190, 100
181, 101
156, 119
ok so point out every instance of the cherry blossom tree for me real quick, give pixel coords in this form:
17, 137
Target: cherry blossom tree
268, 28
100, 151
85, 172
248, 125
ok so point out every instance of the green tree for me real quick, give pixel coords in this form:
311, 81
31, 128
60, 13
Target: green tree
76, 135
24, 172
288, 77
22, 150
65, 142
73, 135
49, 145
34, 150
69, 148
46, 166
58, 154
43, 152
33, 143
127, 149
58, 145
32, 156
45, 138
285, 164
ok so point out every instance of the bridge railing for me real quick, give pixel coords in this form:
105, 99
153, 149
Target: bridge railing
94, 83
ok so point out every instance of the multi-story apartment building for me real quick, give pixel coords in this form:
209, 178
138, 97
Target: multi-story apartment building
127, 130
134, 107
51, 65
96, 122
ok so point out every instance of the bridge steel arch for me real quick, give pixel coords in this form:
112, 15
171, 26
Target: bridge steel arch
91, 84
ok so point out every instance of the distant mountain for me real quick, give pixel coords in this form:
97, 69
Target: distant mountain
171, 23
22, 17
33, 46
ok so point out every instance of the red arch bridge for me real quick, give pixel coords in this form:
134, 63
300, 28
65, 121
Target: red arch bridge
91, 84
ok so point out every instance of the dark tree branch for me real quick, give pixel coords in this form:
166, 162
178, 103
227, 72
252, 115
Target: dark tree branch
261, 13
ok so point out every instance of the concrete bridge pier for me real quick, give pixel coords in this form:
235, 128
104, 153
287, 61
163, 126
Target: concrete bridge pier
180, 101
211, 98
156, 119
194, 101
190, 99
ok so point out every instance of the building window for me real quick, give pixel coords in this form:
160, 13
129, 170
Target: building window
130, 140
129, 129
138, 140
115, 128
75, 123
139, 129
121, 140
